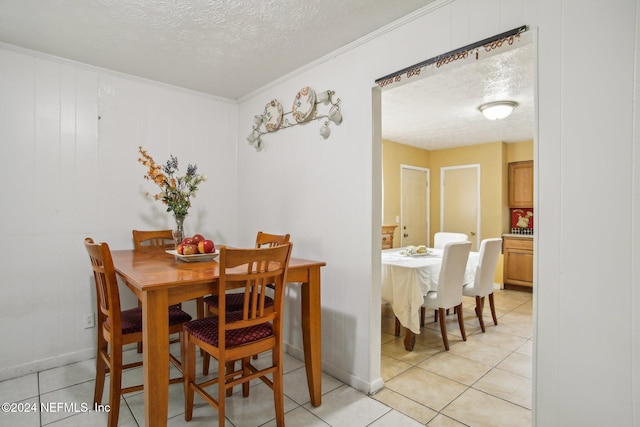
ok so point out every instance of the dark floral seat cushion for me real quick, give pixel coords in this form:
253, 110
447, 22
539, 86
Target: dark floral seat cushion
234, 302
206, 330
132, 319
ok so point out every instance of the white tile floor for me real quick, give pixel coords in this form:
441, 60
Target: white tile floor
482, 382
428, 386
73, 384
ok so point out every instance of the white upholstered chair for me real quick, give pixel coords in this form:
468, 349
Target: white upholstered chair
450, 282
441, 238
482, 284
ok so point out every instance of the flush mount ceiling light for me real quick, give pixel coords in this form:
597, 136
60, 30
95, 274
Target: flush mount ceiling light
497, 110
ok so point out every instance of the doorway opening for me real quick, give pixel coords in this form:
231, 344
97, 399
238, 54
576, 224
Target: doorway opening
457, 118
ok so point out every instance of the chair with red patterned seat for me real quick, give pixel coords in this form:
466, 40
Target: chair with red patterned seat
239, 335
235, 301
117, 328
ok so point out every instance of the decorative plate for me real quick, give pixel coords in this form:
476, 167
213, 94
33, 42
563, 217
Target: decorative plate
304, 104
414, 251
415, 255
272, 115
194, 257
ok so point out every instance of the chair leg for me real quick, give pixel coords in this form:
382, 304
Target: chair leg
493, 309
435, 315
115, 384
246, 372
205, 363
461, 322
139, 342
230, 367
188, 354
221, 393
101, 371
398, 326
422, 311
200, 313
101, 364
278, 388
479, 309
443, 327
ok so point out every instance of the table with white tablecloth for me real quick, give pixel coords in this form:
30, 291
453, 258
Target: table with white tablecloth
407, 279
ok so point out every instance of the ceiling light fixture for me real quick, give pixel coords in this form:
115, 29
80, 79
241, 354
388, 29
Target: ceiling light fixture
497, 110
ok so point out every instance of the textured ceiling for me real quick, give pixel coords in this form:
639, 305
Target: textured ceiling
227, 48
231, 48
441, 111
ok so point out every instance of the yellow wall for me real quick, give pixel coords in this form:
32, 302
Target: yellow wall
493, 159
393, 156
519, 152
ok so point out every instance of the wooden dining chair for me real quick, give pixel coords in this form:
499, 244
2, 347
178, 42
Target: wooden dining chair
482, 284
239, 335
450, 282
153, 241
235, 301
441, 238
156, 242
117, 328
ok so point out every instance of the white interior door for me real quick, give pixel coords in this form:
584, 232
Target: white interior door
460, 201
414, 194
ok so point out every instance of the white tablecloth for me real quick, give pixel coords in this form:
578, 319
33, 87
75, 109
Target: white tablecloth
406, 279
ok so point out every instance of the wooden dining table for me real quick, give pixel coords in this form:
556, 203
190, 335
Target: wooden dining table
160, 280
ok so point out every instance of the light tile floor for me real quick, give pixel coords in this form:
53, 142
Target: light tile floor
485, 381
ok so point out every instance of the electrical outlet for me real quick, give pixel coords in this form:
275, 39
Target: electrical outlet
88, 320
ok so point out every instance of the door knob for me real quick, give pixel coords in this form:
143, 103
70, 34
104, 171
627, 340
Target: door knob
405, 235
472, 233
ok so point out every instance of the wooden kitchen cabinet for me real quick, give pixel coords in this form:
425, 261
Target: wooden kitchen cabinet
518, 261
521, 184
387, 236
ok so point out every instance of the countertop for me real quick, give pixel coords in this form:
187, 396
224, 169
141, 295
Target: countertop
524, 236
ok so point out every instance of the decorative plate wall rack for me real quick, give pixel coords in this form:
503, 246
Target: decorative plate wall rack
306, 108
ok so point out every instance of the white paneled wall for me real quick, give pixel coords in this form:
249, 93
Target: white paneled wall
68, 174
70, 136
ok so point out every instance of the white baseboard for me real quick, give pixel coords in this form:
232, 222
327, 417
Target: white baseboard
340, 374
48, 363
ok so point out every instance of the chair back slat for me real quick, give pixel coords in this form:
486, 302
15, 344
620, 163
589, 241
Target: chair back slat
153, 241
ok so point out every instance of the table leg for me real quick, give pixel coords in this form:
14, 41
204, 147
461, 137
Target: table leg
409, 339
311, 334
155, 336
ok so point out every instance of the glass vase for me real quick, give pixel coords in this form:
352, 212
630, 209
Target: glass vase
178, 232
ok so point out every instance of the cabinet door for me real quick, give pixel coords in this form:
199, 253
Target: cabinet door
518, 267
521, 184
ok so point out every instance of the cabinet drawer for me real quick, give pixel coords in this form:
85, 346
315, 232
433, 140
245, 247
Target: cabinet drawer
387, 236
515, 243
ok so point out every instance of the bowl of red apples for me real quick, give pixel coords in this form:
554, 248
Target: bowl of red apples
195, 248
